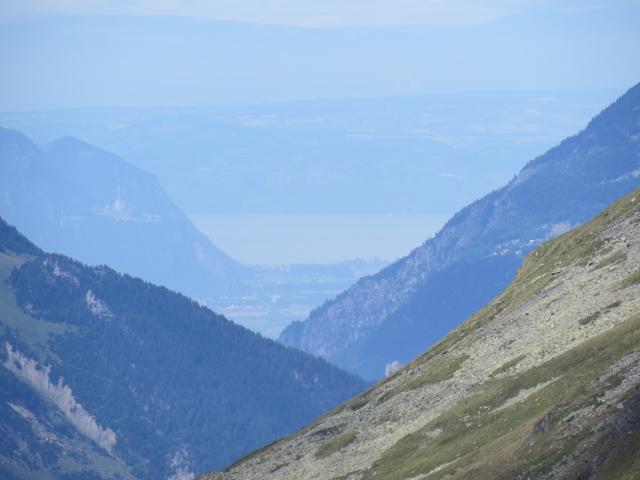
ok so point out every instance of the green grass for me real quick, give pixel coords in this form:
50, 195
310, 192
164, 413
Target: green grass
335, 445
330, 431
612, 259
358, 403
631, 279
436, 371
590, 318
36, 333
611, 306
595, 315
624, 464
485, 443
505, 367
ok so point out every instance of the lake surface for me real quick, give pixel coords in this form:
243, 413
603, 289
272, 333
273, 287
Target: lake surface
272, 239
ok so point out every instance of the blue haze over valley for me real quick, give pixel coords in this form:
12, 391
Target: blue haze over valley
230, 218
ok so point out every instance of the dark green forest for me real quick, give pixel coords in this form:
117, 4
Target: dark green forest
166, 374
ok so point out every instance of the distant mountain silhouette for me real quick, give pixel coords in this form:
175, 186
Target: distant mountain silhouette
78, 200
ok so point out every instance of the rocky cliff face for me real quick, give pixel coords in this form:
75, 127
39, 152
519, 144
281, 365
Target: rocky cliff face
397, 313
543, 382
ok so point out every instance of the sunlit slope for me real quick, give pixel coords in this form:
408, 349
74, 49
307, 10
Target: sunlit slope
543, 382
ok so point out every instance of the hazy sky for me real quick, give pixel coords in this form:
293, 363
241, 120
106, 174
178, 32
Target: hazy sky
65, 54
315, 13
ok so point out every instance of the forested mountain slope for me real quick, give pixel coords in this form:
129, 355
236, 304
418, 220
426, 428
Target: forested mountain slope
106, 376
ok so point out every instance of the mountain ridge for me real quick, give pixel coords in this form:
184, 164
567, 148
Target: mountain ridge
107, 374
77, 199
554, 192
543, 382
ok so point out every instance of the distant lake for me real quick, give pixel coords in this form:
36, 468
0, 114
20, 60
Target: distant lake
275, 239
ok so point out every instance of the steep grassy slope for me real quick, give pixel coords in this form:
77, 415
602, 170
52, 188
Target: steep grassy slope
399, 312
543, 382
105, 376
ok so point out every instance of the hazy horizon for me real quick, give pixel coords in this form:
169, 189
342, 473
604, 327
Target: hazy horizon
222, 222
307, 13
298, 132
107, 53
328, 180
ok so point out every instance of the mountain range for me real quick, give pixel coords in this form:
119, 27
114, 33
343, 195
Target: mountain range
105, 375
543, 382
429, 154
75, 199
90, 204
386, 319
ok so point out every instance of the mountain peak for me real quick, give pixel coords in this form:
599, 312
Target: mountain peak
12, 241
16, 150
69, 144
76, 199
